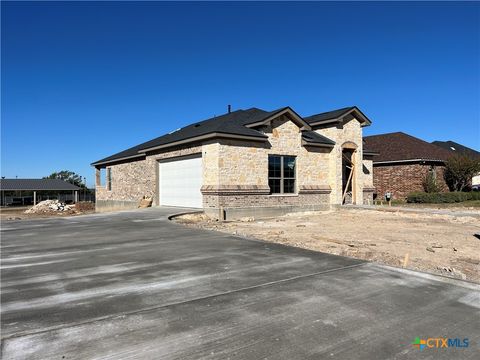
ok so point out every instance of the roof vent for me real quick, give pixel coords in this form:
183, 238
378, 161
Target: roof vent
196, 125
229, 107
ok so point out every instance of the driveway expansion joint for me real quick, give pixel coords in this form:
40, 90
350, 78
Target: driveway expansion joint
125, 314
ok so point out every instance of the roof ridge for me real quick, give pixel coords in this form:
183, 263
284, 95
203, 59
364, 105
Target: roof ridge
334, 110
388, 133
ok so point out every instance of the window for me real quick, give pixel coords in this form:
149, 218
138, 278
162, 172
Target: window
281, 174
109, 179
100, 177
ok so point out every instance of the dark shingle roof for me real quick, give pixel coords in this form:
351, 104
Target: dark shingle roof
399, 146
315, 138
457, 148
233, 123
36, 184
329, 115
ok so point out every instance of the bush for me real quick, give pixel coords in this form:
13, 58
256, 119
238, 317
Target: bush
442, 198
430, 183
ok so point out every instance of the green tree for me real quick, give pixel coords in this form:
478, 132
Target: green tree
68, 176
459, 171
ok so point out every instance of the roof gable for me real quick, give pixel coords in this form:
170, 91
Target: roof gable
338, 116
398, 146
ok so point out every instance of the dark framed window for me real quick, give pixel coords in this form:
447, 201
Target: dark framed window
109, 179
281, 174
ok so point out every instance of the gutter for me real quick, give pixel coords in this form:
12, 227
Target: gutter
406, 161
115, 160
307, 143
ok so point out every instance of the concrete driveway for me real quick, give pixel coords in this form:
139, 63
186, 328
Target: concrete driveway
133, 285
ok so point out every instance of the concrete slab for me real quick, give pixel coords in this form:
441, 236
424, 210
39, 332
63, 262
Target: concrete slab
134, 285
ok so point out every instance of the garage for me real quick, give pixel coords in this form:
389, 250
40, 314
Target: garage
180, 181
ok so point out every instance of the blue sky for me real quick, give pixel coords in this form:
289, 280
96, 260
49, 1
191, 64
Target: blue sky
83, 80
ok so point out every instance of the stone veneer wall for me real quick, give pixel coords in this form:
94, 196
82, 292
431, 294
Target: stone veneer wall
130, 182
348, 132
401, 180
241, 187
368, 188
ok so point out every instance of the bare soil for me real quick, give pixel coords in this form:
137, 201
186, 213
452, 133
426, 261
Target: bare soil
441, 244
18, 213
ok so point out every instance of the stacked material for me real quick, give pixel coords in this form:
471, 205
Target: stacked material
145, 202
49, 206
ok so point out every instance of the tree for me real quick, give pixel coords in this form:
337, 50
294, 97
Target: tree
459, 171
68, 176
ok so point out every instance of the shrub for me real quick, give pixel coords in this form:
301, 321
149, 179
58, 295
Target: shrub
442, 198
430, 183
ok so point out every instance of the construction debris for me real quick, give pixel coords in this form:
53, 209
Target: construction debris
49, 206
450, 271
145, 202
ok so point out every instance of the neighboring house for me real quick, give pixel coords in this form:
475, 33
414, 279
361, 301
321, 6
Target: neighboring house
245, 163
403, 162
28, 191
462, 150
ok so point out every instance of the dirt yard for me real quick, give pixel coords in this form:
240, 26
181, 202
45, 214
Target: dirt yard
441, 244
18, 213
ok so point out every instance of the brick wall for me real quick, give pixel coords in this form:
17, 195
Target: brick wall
403, 179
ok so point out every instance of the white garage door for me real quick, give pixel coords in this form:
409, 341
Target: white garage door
180, 182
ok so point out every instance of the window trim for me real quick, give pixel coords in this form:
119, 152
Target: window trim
108, 178
282, 177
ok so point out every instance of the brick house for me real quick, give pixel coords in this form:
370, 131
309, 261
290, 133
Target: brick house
402, 163
245, 163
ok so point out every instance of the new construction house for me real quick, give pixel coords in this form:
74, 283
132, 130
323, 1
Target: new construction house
245, 163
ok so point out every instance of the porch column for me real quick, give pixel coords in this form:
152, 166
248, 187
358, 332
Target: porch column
76, 196
34, 198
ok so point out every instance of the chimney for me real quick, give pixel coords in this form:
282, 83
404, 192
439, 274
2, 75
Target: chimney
229, 109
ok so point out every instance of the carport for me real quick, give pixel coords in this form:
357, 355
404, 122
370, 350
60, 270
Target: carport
32, 186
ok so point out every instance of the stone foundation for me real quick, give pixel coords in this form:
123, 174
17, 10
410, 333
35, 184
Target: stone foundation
114, 205
368, 196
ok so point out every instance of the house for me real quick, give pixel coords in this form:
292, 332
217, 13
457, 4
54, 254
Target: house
29, 191
245, 163
462, 150
403, 162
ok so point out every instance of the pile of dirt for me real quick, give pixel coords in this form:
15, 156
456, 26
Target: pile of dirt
50, 206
